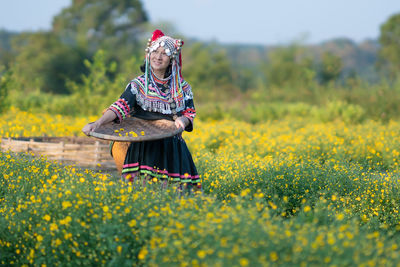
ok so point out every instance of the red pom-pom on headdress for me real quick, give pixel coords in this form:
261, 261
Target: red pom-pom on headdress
157, 34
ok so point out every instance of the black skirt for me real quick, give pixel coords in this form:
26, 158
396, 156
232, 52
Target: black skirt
167, 159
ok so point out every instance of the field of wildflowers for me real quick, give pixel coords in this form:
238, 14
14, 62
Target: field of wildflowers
287, 192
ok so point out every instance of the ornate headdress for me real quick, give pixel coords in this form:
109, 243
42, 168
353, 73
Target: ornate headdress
173, 50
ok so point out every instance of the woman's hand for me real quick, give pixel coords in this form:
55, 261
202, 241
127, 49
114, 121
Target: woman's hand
181, 122
108, 116
90, 127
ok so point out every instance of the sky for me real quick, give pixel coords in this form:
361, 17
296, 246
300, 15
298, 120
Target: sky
265, 22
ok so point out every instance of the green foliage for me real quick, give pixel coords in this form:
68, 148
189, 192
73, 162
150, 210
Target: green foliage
208, 69
289, 66
227, 81
6, 53
99, 88
110, 25
339, 110
4, 79
44, 63
5, 37
330, 67
261, 112
390, 49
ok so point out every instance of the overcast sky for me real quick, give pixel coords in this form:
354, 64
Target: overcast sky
264, 22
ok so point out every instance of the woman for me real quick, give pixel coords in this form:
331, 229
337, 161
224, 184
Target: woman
160, 93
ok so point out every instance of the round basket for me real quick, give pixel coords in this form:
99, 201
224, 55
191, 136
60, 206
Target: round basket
134, 129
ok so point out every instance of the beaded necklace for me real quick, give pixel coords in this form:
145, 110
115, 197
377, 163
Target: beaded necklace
165, 82
155, 99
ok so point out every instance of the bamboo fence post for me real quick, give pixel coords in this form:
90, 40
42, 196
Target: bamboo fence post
62, 150
29, 145
96, 153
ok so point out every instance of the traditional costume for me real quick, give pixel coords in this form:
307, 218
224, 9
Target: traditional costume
150, 97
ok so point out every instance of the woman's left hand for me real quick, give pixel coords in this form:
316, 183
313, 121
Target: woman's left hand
181, 122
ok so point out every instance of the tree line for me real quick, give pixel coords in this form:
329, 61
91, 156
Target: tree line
94, 47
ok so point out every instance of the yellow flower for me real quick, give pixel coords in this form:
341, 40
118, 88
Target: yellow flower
58, 242
66, 220
142, 254
53, 227
244, 193
39, 238
66, 204
47, 217
67, 236
340, 216
201, 254
132, 223
244, 262
273, 256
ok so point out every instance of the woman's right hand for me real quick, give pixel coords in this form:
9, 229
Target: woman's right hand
108, 116
90, 127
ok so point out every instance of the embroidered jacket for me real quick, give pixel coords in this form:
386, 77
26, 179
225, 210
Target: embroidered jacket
157, 103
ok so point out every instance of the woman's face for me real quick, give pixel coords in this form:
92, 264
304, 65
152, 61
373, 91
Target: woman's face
159, 60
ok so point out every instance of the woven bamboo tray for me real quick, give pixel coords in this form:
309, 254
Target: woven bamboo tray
134, 129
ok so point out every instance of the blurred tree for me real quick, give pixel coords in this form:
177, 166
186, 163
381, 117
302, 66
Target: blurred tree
111, 25
6, 54
330, 67
289, 66
206, 66
390, 46
245, 62
44, 63
3, 89
6, 57
98, 89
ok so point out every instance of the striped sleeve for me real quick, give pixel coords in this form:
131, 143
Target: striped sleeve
189, 111
124, 105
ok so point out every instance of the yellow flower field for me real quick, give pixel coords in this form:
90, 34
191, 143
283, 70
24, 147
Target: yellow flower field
280, 193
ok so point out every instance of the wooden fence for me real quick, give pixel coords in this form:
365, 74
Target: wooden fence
80, 151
